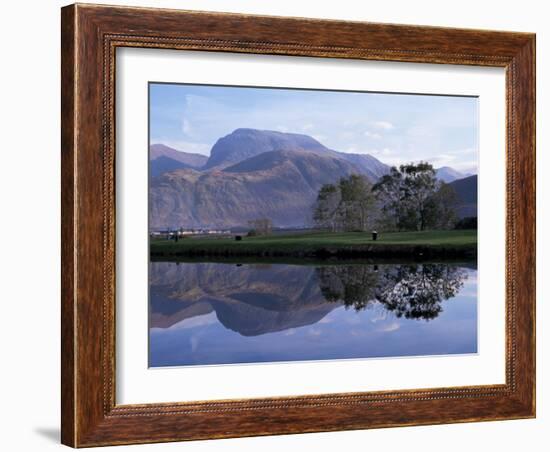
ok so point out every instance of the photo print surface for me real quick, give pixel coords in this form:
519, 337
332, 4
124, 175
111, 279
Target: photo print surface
297, 225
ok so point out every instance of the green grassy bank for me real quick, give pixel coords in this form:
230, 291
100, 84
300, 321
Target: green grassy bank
424, 244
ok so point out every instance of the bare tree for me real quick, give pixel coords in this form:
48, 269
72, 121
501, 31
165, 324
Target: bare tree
261, 226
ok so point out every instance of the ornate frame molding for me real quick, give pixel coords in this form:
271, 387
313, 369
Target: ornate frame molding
90, 37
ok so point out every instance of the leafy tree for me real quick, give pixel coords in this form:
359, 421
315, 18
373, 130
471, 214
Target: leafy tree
324, 211
413, 198
357, 203
389, 193
348, 206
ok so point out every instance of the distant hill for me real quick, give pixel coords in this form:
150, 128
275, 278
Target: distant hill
190, 160
448, 174
165, 164
280, 185
466, 190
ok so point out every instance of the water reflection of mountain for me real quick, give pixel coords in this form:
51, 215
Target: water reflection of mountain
258, 299
249, 299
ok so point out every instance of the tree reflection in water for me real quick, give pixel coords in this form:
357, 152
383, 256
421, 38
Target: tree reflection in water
413, 291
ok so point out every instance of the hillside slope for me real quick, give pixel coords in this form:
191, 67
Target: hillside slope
466, 190
280, 185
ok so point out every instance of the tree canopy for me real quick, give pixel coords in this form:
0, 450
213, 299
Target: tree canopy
349, 205
408, 198
413, 199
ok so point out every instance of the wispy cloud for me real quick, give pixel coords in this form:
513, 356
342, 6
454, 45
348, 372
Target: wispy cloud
186, 127
394, 326
462, 160
373, 135
383, 125
315, 332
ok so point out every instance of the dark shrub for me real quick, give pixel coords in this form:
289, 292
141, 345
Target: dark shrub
467, 223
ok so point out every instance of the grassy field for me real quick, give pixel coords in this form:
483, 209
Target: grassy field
359, 244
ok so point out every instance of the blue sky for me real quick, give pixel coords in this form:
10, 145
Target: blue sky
395, 128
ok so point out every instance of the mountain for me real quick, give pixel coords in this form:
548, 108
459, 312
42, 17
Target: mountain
163, 165
250, 174
367, 164
246, 299
163, 159
280, 185
466, 190
242, 144
448, 174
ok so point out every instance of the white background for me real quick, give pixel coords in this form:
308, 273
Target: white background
29, 393
137, 384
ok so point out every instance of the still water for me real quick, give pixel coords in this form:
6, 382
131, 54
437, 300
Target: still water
219, 313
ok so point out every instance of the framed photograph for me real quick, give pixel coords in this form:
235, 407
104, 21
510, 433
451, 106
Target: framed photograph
281, 225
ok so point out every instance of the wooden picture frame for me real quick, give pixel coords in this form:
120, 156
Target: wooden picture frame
90, 36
